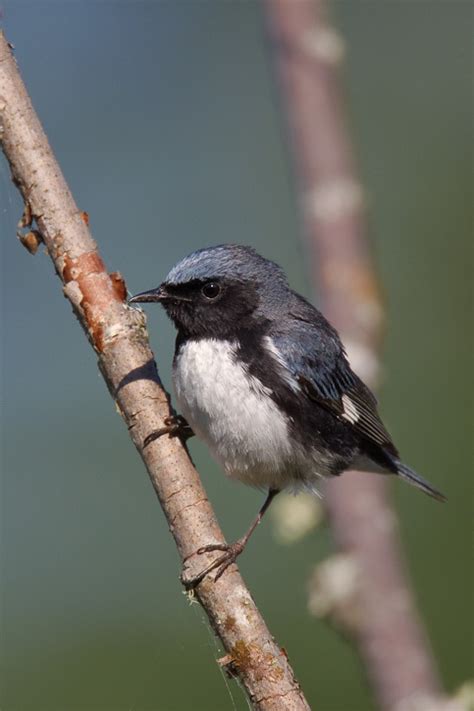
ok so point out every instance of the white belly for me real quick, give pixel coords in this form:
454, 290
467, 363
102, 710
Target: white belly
233, 413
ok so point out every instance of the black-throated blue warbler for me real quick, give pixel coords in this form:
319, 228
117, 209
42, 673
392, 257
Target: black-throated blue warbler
262, 377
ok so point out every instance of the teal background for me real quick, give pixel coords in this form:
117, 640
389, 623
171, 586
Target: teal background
164, 118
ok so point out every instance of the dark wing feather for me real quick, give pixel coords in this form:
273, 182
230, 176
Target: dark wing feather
314, 355
368, 422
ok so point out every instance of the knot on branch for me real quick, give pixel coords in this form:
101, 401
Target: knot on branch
31, 239
324, 44
333, 591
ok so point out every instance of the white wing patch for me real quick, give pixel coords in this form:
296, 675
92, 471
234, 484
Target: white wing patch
351, 412
284, 372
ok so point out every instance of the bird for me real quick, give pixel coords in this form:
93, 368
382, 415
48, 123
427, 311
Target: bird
263, 379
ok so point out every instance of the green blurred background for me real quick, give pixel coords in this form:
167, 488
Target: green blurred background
164, 118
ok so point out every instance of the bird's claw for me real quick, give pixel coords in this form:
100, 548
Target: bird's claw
175, 426
230, 555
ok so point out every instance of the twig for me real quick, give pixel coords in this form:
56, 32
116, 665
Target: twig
118, 335
380, 611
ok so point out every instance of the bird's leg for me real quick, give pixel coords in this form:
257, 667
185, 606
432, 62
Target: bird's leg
231, 550
175, 426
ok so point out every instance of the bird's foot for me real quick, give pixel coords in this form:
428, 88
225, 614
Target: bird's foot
175, 426
231, 551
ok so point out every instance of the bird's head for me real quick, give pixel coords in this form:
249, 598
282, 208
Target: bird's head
218, 290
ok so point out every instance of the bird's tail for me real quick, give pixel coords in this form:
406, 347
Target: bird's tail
413, 478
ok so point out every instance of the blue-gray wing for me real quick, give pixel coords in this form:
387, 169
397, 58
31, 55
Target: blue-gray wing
311, 351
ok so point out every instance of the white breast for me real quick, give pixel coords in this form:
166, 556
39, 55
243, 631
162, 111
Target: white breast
233, 413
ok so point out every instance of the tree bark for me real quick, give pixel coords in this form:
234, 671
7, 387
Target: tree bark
380, 612
118, 335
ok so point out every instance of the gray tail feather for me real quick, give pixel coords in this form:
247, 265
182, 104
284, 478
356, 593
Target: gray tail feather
413, 478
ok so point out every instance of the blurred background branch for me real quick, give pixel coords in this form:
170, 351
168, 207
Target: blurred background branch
118, 335
365, 589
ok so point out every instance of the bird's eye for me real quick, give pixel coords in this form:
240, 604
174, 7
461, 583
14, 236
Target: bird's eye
211, 290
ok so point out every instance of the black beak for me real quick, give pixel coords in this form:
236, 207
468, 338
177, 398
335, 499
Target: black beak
151, 296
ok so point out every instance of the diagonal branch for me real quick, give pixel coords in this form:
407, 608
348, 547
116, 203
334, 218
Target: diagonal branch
118, 335
383, 620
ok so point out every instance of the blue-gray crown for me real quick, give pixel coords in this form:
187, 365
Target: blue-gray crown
226, 260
